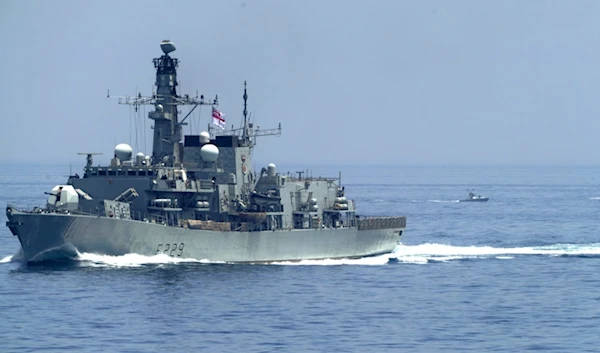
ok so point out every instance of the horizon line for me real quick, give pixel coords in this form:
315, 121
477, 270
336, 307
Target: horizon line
329, 165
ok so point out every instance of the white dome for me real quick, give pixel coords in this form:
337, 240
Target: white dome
209, 153
139, 158
271, 169
204, 137
123, 151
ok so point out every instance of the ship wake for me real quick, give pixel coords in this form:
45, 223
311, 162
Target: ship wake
412, 254
134, 260
426, 253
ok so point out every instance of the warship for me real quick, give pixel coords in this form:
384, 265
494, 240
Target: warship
197, 196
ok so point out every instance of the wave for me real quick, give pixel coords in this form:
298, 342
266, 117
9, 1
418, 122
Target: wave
425, 253
364, 261
6, 259
18, 257
134, 260
419, 254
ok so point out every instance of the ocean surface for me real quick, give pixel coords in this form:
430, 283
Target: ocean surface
516, 274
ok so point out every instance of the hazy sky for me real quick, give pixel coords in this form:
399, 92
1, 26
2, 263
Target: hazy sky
377, 82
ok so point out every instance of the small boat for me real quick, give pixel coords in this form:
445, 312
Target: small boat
471, 197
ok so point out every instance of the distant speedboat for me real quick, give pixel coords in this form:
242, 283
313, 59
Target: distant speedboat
471, 197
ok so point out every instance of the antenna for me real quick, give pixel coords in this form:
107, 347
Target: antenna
245, 104
167, 46
90, 159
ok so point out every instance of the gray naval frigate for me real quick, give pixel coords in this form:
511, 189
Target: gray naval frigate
198, 199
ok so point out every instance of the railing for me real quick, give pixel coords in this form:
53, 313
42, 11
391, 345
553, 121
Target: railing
367, 223
100, 212
26, 208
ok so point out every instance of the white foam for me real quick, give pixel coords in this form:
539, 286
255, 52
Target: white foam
132, 260
365, 261
415, 260
13, 258
135, 260
442, 252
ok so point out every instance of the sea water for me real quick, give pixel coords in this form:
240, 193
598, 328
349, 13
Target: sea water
517, 273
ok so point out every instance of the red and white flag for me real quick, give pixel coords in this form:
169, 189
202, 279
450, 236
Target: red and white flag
218, 118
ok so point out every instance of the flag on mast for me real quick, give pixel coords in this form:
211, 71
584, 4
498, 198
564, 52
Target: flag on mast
218, 118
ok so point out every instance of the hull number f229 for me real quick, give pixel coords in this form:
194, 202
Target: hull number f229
175, 249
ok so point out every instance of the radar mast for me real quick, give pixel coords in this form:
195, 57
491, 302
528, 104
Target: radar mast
167, 147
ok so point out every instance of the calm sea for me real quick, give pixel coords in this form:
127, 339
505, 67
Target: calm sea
518, 273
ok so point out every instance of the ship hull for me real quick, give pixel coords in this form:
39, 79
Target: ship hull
51, 235
482, 199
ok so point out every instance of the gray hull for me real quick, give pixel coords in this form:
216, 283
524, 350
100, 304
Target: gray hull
482, 199
48, 235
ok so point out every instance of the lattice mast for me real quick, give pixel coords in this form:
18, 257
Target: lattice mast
166, 147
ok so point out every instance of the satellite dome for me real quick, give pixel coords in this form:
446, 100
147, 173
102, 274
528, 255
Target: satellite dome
139, 158
159, 108
167, 46
204, 137
123, 151
209, 153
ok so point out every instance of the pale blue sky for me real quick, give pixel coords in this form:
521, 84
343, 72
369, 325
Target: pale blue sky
378, 82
